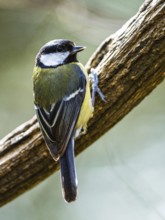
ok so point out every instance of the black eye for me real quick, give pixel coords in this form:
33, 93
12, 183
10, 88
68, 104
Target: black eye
61, 48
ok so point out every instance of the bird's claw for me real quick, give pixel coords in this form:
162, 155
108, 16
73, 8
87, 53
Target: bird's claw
95, 88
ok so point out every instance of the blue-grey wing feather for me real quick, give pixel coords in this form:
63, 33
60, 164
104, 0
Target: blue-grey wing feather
59, 120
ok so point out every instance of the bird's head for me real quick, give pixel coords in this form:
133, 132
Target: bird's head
57, 52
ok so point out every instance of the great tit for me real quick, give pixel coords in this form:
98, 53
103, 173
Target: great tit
63, 105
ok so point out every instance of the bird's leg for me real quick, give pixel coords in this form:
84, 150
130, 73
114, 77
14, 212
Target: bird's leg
95, 88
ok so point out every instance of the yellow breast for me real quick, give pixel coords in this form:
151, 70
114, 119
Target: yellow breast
86, 109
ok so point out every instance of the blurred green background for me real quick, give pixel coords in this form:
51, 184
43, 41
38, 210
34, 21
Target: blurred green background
121, 176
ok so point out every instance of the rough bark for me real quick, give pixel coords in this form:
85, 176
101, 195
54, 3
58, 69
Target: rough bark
130, 63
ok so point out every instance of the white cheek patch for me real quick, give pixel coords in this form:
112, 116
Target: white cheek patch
53, 59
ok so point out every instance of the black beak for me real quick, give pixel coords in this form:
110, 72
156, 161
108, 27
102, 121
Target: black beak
77, 49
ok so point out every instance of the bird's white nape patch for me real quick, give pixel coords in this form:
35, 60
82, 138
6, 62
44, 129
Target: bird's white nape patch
53, 59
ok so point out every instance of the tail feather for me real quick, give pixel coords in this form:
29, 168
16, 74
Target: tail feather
68, 173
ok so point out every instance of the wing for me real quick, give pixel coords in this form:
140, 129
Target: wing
59, 120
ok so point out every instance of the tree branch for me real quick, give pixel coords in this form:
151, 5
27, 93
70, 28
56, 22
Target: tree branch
131, 63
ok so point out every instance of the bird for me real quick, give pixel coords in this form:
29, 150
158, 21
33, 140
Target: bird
63, 105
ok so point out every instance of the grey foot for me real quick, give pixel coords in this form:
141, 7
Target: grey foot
95, 88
